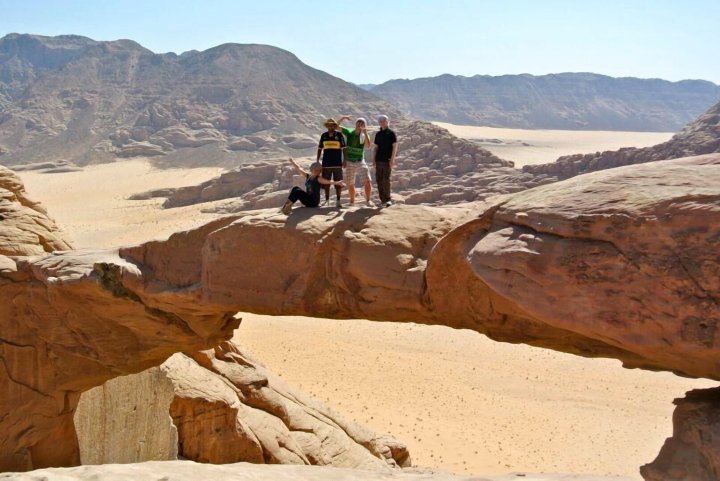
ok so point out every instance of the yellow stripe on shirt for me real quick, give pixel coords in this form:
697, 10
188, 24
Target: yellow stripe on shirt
331, 144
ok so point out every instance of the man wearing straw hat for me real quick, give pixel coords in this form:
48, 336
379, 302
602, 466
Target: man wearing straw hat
332, 149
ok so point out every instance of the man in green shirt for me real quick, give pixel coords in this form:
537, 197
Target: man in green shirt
357, 141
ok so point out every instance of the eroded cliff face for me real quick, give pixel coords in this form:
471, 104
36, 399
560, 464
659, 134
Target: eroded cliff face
221, 406
69, 323
693, 451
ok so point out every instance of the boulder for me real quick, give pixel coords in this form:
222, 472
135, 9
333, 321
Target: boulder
693, 451
221, 406
25, 228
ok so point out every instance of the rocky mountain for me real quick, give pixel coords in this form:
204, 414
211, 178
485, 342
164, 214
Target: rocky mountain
702, 136
573, 101
76, 99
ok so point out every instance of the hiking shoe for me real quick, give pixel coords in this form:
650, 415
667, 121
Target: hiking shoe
368, 204
326, 202
338, 204
286, 208
388, 203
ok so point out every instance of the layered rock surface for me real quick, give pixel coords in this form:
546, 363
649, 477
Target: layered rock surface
25, 228
220, 406
573, 266
693, 451
189, 471
69, 324
702, 136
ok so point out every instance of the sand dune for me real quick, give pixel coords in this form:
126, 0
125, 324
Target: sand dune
528, 147
463, 403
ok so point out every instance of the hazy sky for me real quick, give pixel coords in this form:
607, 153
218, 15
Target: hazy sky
373, 41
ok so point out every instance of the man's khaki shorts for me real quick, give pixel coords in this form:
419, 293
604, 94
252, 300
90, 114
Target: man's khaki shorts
360, 168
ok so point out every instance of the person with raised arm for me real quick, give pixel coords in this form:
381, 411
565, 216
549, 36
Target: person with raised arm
357, 141
310, 197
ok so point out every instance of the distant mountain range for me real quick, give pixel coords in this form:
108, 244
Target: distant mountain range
574, 101
70, 97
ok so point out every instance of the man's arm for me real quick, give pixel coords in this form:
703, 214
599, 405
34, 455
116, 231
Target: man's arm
299, 169
375, 150
325, 181
343, 119
394, 154
320, 149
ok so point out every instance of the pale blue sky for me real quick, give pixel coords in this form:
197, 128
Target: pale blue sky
373, 41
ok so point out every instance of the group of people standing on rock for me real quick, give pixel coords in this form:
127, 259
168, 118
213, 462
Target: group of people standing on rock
342, 149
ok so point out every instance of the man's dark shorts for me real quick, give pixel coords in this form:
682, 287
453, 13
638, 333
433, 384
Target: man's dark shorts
332, 173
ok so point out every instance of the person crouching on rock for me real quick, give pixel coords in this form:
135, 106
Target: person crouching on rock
310, 197
332, 149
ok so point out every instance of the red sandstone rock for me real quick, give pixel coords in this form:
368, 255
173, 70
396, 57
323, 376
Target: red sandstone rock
693, 451
25, 228
621, 263
229, 408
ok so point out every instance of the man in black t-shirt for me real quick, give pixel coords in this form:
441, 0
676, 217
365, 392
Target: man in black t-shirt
384, 159
332, 149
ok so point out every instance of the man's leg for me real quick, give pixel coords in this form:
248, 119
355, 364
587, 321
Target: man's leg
381, 171
365, 179
338, 176
350, 176
326, 174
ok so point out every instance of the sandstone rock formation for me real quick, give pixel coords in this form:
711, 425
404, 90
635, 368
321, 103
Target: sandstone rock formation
90, 102
567, 101
693, 451
25, 228
69, 323
543, 266
620, 263
702, 136
434, 167
221, 406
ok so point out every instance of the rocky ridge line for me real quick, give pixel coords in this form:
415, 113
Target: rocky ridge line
702, 136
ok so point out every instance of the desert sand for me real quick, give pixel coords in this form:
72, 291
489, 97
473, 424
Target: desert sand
92, 207
529, 147
461, 402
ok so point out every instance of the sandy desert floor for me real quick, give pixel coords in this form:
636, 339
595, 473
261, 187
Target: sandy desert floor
527, 147
461, 402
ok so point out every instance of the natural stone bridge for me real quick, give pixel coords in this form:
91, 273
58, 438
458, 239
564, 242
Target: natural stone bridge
620, 263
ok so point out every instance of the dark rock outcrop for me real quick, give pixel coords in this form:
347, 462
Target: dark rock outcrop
693, 451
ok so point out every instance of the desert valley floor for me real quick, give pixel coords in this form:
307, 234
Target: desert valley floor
461, 402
